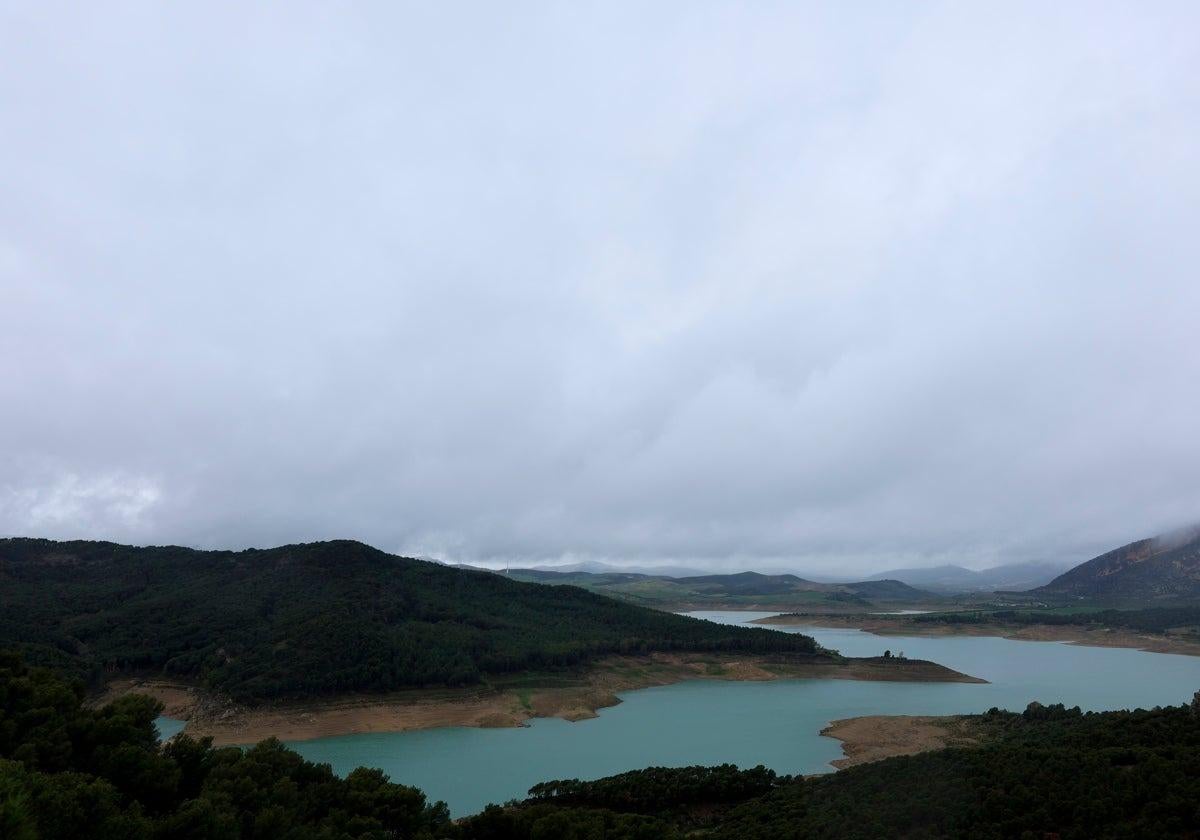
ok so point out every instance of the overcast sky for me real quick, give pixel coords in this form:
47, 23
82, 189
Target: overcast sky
828, 287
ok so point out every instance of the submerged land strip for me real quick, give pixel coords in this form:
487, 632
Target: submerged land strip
503, 702
1088, 635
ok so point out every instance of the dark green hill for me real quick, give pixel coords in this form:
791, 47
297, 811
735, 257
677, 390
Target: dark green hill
889, 590
68, 772
1159, 568
731, 591
327, 617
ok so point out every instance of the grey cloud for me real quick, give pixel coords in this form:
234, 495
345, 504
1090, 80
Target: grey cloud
782, 286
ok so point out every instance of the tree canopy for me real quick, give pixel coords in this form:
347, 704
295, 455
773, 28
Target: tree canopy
318, 618
67, 771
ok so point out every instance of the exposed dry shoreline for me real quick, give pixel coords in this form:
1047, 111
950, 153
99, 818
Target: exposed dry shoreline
875, 737
510, 702
1072, 634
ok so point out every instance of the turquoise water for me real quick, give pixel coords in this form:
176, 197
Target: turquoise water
748, 723
168, 727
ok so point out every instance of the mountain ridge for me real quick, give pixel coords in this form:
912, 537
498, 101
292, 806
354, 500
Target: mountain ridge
950, 578
738, 590
1162, 567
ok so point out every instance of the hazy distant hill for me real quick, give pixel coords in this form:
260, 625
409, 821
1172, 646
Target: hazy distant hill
596, 567
1158, 568
744, 589
322, 617
946, 579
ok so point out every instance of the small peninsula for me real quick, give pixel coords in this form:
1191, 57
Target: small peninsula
875, 737
503, 702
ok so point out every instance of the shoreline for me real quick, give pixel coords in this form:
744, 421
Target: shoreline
1070, 634
506, 702
876, 737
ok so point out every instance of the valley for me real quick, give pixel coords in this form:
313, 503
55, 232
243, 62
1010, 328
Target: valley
548, 680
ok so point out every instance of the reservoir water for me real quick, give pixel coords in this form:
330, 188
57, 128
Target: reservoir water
748, 723
168, 728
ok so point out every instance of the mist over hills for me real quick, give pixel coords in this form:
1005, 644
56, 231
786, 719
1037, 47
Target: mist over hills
1158, 568
943, 579
951, 578
1166, 566
905, 583
744, 590
651, 570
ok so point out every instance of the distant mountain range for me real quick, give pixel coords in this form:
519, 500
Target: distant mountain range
953, 579
916, 583
1158, 568
1165, 567
744, 590
595, 567
896, 584
598, 568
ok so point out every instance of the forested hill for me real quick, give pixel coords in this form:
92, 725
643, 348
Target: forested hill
1158, 568
327, 617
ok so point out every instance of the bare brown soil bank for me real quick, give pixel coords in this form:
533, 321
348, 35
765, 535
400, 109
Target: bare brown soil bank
874, 737
508, 702
178, 700
1074, 634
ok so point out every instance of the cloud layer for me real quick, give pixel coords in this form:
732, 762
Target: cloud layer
768, 286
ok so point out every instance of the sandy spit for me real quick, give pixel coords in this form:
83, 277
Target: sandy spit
874, 737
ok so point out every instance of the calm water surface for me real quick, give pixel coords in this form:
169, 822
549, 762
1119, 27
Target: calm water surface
168, 727
748, 723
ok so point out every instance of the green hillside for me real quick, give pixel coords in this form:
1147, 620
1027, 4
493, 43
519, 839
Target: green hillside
327, 617
744, 590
